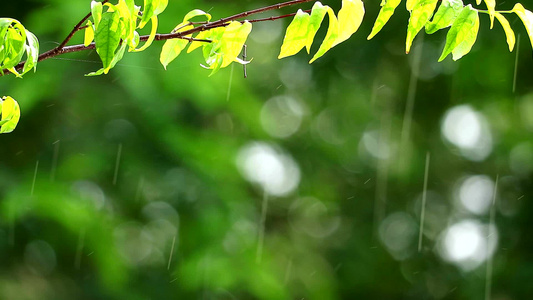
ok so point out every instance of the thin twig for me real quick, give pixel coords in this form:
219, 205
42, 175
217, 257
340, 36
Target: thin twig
76, 28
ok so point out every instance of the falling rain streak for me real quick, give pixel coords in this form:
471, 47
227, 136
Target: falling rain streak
410, 104
79, 250
488, 281
54, 160
382, 170
516, 62
230, 82
34, 178
261, 232
140, 187
117, 163
171, 252
423, 208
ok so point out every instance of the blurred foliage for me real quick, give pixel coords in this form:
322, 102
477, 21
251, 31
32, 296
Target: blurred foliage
139, 184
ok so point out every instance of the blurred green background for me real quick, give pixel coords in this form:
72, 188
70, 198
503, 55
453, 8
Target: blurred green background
298, 182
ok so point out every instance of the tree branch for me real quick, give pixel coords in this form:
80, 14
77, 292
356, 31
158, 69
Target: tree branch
63, 49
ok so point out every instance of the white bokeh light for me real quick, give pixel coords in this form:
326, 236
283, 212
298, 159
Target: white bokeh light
468, 243
475, 193
468, 130
273, 170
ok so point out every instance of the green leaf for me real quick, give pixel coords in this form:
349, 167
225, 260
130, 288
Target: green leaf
445, 16
118, 56
410, 5
152, 8
315, 19
204, 35
350, 17
10, 114
151, 37
420, 15
462, 34
491, 5
233, 40
172, 48
89, 34
160, 7
15, 41
527, 18
96, 12
385, 13
295, 35
107, 38
128, 14
32, 52
331, 35
509, 33
196, 13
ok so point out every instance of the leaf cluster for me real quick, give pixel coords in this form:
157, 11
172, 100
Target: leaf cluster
15, 42
462, 21
112, 29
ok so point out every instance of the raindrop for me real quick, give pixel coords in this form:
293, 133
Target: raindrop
296, 74
398, 232
314, 217
266, 32
40, 257
281, 116
133, 243
372, 145
89, 191
327, 128
521, 158
526, 111
119, 130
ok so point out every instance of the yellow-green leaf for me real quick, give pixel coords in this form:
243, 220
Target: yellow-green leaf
172, 48
32, 52
196, 13
296, 35
509, 33
10, 111
420, 15
317, 15
151, 37
89, 34
410, 4
96, 12
331, 36
160, 7
527, 18
491, 5
233, 40
462, 34
445, 15
350, 17
204, 35
385, 13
